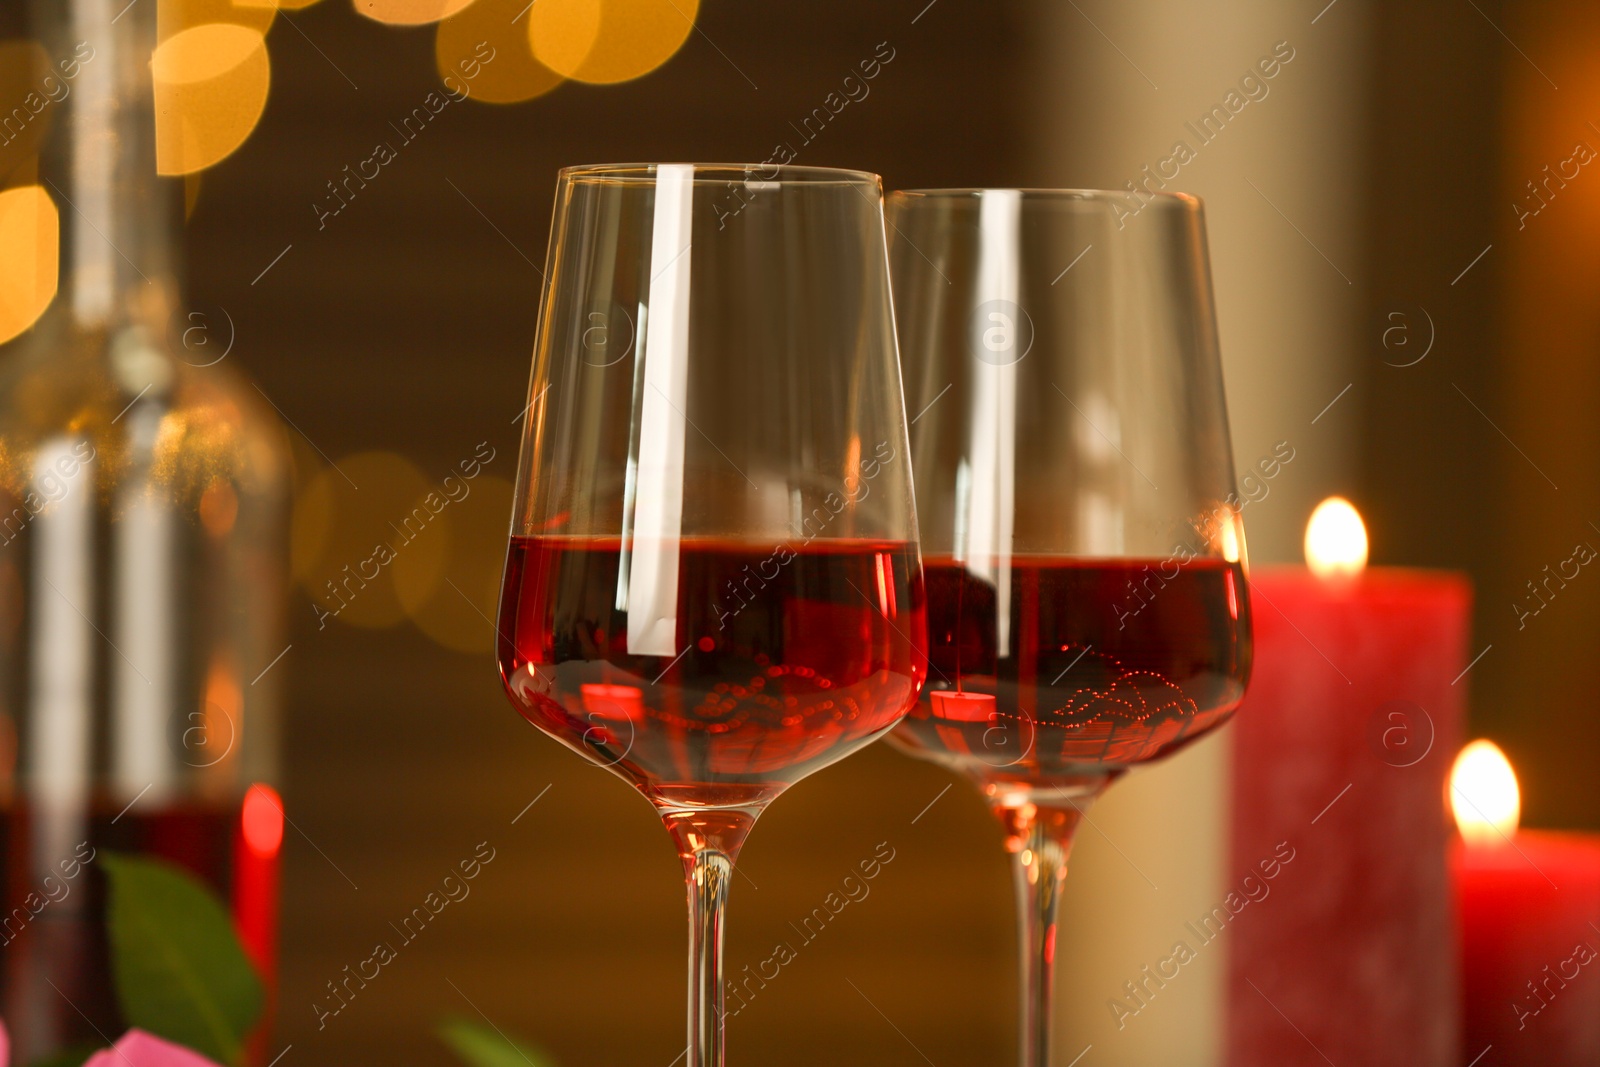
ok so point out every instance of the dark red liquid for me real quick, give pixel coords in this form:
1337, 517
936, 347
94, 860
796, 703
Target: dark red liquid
1104, 663
52, 932
782, 659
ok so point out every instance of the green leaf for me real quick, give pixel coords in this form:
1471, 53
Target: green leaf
180, 971
482, 1046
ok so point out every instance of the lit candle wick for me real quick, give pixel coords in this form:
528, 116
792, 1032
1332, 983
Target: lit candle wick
1484, 795
1336, 540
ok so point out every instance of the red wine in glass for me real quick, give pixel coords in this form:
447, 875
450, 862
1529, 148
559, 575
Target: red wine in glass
802, 654
1097, 665
713, 585
1075, 493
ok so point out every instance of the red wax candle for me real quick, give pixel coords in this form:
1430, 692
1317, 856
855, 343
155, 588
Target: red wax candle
1345, 953
257, 854
1529, 915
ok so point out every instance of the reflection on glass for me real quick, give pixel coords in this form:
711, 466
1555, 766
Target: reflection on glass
713, 587
1087, 609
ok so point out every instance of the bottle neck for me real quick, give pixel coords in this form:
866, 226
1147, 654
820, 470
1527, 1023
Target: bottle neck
118, 260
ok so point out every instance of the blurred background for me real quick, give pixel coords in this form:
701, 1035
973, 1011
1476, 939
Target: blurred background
1404, 298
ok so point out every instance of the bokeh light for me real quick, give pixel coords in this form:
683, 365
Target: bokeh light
607, 41
175, 16
409, 12
511, 74
30, 257
211, 85
345, 541
211, 744
454, 604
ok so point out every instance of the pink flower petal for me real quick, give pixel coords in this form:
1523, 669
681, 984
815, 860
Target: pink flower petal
139, 1049
5, 1046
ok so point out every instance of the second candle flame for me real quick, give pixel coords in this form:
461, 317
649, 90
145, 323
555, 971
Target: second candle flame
1484, 794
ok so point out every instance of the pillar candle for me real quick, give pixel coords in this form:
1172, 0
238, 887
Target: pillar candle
1528, 917
258, 848
1345, 950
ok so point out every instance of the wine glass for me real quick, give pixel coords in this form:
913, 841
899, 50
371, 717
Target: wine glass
1087, 605
713, 587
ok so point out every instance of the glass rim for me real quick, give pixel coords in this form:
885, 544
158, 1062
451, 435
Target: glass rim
1175, 199
720, 173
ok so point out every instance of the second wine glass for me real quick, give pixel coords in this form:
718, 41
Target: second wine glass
1087, 606
713, 587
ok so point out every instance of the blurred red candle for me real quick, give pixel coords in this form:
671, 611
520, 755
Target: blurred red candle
257, 854
1528, 908
1341, 750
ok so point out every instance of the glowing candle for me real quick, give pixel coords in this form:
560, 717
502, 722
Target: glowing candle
1528, 907
1341, 750
257, 855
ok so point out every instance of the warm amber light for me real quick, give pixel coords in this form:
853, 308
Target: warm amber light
451, 596
347, 543
211, 86
1484, 794
30, 257
485, 54
607, 41
219, 507
1336, 540
409, 12
175, 16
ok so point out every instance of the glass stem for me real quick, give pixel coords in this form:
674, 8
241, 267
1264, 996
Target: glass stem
1040, 843
710, 872
708, 840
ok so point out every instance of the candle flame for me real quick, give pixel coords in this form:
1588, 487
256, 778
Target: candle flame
261, 820
1484, 794
1336, 540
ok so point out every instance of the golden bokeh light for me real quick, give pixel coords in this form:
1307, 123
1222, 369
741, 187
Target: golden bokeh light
216, 727
30, 257
409, 12
211, 86
346, 541
29, 102
454, 603
219, 509
175, 16
309, 529
608, 41
486, 54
